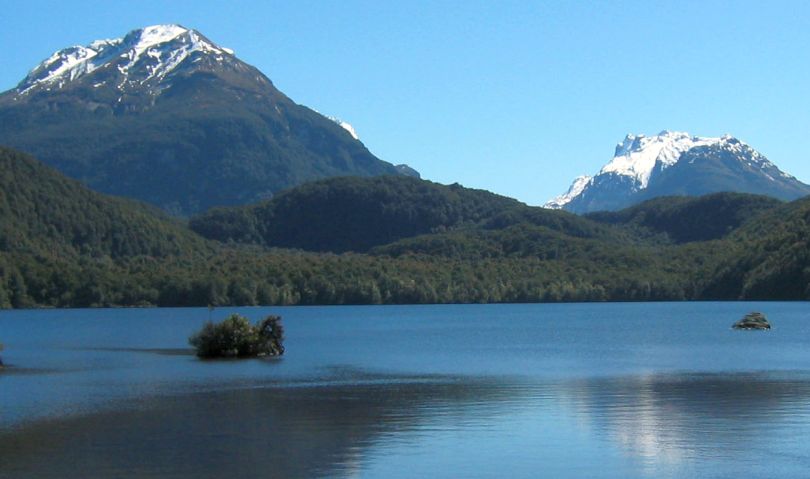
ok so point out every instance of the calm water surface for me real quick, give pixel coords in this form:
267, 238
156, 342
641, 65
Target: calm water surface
578, 390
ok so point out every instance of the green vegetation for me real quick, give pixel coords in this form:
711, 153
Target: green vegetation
682, 219
387, 240
45, 214
352, 214
210, 139
235, 337
357, 214
768, 259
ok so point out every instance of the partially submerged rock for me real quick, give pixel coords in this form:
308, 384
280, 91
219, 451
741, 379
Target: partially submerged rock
752, 320
235, 337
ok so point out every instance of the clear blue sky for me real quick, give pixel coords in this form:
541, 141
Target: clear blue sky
514, 97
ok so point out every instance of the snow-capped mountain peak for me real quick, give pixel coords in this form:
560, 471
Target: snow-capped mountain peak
638, 155
677, 163
153, 52
155, 34
579, 184
148, 114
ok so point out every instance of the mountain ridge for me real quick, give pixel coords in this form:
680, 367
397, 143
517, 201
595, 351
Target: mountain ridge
121, 53
677, 163
166, 116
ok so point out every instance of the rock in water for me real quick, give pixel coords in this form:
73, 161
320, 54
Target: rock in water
752, 320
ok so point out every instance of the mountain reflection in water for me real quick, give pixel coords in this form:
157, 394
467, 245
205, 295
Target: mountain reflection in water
300, 431
332, 426
681, 418
518, 391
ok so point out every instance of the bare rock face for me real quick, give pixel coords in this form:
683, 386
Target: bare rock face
752, 320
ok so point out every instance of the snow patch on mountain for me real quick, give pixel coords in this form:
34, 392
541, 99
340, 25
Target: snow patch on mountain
155, 35
345, 125
70, 62
638, 155
162, 47
577, 187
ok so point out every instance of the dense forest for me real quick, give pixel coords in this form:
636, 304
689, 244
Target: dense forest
387, 240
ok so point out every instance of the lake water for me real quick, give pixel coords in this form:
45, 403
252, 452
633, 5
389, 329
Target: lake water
641, 390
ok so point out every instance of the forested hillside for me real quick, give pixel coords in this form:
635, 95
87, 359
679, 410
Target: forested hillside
384, 241
45, 213
681, 219
356, 214
768, 258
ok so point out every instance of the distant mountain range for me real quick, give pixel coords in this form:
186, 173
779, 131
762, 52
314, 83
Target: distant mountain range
166, 116
286, 206
676, 163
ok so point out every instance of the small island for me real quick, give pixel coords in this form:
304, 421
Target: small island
752, 320
236, 337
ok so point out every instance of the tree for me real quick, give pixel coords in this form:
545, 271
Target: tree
236, 337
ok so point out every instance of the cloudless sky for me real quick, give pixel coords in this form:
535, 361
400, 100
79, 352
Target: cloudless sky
513, 97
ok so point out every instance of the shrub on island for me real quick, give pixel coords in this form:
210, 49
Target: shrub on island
752, 320
236, 337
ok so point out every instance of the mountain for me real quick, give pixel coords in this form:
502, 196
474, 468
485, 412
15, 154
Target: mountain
166, 116
402, 240
64, 245
351, 214
676, 163
355, 214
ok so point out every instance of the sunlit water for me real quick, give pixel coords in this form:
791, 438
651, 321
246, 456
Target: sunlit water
578, 390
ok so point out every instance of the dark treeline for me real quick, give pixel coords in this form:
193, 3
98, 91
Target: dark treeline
240, 278
352, 214
62, 245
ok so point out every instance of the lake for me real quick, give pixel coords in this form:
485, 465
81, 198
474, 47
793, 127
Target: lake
620, 390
